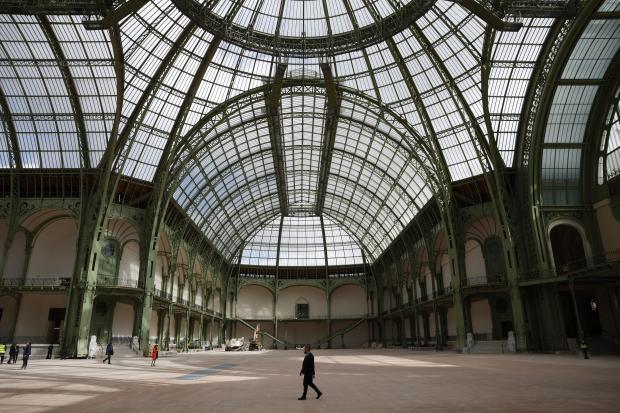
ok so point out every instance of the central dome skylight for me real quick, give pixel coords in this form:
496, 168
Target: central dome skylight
301, 242
304, 27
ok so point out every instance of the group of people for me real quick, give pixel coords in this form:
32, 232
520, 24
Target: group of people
109, 352
14, 353
307, 368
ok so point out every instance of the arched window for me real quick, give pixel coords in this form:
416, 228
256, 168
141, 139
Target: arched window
609, 158
302, 309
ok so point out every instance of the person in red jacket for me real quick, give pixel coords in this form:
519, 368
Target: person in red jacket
154, 355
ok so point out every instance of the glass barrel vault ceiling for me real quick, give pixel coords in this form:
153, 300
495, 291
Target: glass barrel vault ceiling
420, 85
565, 134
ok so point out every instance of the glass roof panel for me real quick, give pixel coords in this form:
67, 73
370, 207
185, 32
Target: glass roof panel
341, 248
262, 248
302, 244
594, 51
37, 96
561, 171
610, 6
6, 157
514, 56
90, 60
303, 127
569, 113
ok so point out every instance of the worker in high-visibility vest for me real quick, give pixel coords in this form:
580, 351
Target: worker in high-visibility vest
584, 348
2, 351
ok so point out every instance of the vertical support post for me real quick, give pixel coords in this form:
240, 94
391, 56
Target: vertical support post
416, 314
329, 320
427, 328
146, 280
27, 255
161, 318
518, 316
13, 325
169, 316
177, 330
188, 329
571, 288
275, 317
201, 329
438, 333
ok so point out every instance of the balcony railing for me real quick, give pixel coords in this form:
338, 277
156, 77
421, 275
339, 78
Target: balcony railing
487, 280
162, 294
609, 260
291, 317
35, 282
118, 282
442, 291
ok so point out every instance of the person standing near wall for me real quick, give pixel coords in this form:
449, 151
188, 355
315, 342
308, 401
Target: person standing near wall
584, 348
2, 352
109, 351
50, 348
26, 355
307, 369
15, 353
11, 353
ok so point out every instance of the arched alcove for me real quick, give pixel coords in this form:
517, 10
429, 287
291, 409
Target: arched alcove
495, 264
567, 247
475, 266
129, 267
54, 250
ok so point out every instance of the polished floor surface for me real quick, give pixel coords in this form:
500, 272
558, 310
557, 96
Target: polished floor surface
351, 380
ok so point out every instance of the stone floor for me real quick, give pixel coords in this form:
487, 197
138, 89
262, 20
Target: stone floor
352, 381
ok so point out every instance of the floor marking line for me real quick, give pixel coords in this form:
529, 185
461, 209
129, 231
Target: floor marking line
210, 371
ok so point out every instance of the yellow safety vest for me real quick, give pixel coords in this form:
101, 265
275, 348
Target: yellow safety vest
2, 349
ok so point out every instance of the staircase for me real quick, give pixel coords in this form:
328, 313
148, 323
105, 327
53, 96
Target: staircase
488, 347
341, 332
123, 350
275, 339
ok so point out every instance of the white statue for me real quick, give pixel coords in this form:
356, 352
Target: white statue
92, 347
135, 344
511, 342
469, 342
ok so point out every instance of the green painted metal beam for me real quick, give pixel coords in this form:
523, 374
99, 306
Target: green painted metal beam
329, 135
275, 132
114, 16
69, 82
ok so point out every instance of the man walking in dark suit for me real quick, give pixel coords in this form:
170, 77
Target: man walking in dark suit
307, 369
109, 351
26, 356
